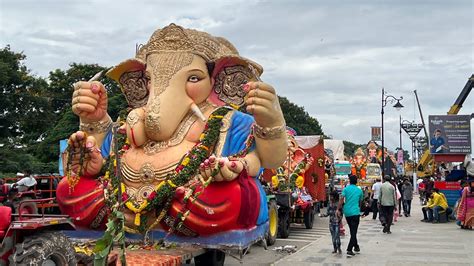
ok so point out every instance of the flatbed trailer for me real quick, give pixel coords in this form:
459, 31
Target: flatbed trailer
177, 250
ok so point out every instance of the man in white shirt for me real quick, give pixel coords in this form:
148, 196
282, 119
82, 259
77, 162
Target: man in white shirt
375, 197
26, 182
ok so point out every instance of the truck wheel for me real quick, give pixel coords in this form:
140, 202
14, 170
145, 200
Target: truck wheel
212, 257
27, 208
309, 218
273, 223
46, 248
284, 222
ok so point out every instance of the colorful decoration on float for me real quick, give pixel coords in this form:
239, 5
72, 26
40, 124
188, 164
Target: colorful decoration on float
372, 151
359, 164
187, 169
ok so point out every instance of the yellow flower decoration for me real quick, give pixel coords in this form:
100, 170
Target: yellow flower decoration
185, 161
202, 136
299, 181
275, 181
107, 175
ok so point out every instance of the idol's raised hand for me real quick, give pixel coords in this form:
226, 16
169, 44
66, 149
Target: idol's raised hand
89, 101
262, 103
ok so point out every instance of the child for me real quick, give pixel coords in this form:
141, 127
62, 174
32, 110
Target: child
366, 207
334, 222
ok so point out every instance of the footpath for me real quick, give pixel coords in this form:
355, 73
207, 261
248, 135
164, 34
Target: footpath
411, 243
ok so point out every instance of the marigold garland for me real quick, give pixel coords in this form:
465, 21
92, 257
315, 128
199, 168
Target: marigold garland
188, 167
160, 199
291, 183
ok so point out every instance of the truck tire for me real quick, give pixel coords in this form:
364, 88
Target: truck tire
212, 257
27, 208
273, 223
46, 248
284, 222
309, 218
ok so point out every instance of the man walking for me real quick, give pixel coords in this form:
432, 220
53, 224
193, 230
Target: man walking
388, 198
375, 197
352, 197
407, 196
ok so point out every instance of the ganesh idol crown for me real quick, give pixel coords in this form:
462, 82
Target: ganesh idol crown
199, 128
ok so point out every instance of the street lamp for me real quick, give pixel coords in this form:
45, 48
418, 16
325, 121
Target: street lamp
388, 99
412, 129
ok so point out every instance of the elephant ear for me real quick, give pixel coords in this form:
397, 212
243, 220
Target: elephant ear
230, 74
130, 74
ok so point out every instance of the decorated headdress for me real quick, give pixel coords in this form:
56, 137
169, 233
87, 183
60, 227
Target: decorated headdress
231, 71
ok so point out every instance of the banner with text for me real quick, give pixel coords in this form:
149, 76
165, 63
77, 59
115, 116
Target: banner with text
450, 134
376, 133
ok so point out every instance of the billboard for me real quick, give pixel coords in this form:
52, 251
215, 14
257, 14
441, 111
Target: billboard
450, 134
376, 133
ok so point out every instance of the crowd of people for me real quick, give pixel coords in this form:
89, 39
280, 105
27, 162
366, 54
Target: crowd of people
390, 199
435, 203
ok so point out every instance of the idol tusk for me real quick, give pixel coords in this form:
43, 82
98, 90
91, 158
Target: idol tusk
198, 112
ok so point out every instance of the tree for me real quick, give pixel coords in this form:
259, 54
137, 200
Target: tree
298, 119
35, 114
350, 147
24, 109
61, 88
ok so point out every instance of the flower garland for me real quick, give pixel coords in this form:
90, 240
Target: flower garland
291, 183
160, 198
73, 180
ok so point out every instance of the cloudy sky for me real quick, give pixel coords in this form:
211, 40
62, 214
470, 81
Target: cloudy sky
332, 57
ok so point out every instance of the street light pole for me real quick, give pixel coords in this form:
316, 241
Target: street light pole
387, 99
383, 149
400, 124
401, 149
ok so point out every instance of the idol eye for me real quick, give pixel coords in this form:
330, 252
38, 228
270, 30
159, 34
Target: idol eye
194, 78
147, 79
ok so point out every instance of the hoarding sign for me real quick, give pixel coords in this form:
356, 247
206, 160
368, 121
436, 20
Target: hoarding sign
450, 134
400, 156
376, 133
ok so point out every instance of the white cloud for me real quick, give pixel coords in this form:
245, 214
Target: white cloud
331, 58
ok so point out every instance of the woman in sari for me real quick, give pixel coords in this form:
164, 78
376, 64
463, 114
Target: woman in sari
465, 212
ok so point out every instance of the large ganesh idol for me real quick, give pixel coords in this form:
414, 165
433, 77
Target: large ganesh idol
190, 155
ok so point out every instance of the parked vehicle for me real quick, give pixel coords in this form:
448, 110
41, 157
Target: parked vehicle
288, 201
12, 197
34, 239
343, 170
45, 187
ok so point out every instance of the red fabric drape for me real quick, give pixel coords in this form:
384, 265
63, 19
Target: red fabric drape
316, 189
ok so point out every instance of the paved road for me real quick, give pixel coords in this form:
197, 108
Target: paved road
299, 237
411, 243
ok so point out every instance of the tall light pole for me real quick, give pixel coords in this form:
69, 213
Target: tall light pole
387, 99
400, 150
412, 129
401, 132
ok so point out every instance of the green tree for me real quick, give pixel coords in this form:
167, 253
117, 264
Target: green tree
61, 88
25, 113
24, 109
298, 119
350, 148
36, 114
